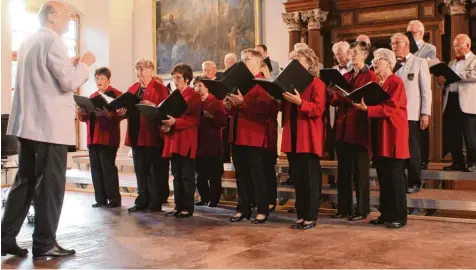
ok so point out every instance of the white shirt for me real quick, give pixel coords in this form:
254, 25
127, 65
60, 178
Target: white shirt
457, 68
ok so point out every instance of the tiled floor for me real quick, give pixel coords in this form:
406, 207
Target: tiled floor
105, 238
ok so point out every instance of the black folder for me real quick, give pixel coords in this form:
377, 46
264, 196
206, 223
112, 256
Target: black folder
174, 105
442, 69
126, 100
294, 76
372, 93
413, 44
90, 104
332, 75
236, 77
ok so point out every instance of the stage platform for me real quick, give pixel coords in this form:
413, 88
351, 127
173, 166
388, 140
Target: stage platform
113, 238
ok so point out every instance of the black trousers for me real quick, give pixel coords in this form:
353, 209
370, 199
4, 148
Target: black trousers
393, 197
353, 165
209, 172
413, 164
270, 159
152, 172
307, 180
42, 176
250, 179
225, 132
104, 174
425, 145
183, 170
459, 127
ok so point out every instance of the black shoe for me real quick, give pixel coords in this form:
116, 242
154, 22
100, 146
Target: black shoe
212, 204
470, 168
182, 215
240, 218
395, 224
96, 205
424, 166
153, 210
260, 221
136, 209
113, 205
296, 225
454, 167
356, 217
376, 222
55, 252
307, 226
15, 251
272, 209
292, 210
413, 190
339, 215
201, 203
173, 213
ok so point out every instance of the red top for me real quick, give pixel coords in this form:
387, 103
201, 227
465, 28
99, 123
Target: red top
250, 118
148, 135
352, 124
103, 130
391, 122
182, 139
310, 133
209, 131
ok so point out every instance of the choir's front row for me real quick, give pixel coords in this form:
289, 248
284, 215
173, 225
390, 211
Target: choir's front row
192, 142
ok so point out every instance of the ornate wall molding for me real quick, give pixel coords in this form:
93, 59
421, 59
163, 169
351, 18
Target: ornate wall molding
292, 20
314, 18
457, 7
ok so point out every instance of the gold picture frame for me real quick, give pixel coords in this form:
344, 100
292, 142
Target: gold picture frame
254, 5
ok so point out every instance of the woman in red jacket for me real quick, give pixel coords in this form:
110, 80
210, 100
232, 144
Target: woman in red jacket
302, 141
248, 135
352, 141
389, 141
209, 165
103, 141
152, 171
181, 143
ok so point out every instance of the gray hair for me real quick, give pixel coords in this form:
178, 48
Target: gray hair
209, 63
363, 38
45, 10
420, 25
299, 46
340, 45
386, 54
231, 55
400, 35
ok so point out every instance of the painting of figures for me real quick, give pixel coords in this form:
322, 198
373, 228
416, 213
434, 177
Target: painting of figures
194, 31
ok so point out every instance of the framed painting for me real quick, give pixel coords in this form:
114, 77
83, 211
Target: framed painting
194, 31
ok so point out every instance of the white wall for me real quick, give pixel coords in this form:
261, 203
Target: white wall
274, 31
6, 56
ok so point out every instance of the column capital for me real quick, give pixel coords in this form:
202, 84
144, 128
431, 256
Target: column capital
315, 18
292, 20
457, 7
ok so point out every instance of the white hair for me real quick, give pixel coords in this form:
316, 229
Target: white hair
232, 56
386, 54
340, 45
465, 38
299, 46
421, 27
363, 38
209, 63
400, 35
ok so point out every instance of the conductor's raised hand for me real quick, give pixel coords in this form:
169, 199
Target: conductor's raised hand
238, 98
295, 99
169, 122
88, 58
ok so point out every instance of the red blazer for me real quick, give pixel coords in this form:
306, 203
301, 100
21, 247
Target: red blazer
106, 130
182, 139
209, 131
391, 121
272, 127
310, 121
351, 124
252, 116
149, 135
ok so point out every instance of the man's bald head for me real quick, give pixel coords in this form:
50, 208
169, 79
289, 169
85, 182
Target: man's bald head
54, 15
363, 38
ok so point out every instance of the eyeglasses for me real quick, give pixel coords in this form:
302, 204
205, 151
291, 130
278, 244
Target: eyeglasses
177, 77
395, 43
457, 47
376, 60
67, 14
